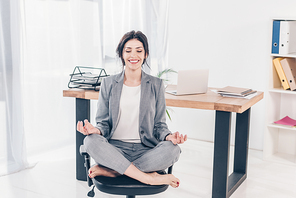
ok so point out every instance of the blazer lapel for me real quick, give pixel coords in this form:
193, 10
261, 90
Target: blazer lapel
145, 91
116, 94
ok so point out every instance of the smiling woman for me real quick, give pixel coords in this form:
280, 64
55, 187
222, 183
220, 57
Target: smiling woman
135, 42
133, 54
130, 122
133, 51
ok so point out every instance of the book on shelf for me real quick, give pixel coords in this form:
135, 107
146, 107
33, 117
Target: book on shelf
289, 67
236, 92
281, 74
286, 121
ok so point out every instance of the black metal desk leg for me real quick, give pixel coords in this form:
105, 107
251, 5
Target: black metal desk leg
240, 152
221, 154
242, 142
82, 113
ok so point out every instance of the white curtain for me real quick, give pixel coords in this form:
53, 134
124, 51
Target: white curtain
12, 142
41, 41
148, 16
60, 35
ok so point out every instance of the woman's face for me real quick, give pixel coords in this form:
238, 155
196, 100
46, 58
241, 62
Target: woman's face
133, 54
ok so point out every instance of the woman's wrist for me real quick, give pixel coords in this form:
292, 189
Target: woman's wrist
98, 131
166, 137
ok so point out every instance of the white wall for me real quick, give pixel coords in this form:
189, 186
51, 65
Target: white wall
231, 38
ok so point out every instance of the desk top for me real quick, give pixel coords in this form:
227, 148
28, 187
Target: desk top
208, 101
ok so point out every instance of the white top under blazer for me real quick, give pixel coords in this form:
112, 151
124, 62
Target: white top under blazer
127, 129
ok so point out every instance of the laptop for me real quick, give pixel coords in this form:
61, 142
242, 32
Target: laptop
191, 82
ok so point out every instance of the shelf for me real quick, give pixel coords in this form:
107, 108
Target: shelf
279, 141
282, 91
284, 19
281, 127
292, 55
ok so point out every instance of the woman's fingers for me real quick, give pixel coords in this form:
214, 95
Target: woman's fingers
183, 139
179, 138
174, 141
79, 126
87, 129
88, 125
90, 129
176, 137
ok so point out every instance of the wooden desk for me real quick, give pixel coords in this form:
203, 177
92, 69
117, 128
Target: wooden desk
222, 184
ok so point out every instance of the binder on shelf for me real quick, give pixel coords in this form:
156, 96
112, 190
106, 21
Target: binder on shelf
280, 72
275, 37
283, 37
289, 67
287, 37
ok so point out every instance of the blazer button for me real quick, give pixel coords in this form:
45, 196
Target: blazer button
142, 132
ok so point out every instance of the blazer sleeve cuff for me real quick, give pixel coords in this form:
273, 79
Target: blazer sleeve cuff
164, 136
102, 132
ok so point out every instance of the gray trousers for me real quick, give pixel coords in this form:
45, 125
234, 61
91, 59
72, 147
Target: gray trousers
118, 155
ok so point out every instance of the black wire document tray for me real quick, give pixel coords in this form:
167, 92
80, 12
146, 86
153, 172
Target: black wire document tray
87, 78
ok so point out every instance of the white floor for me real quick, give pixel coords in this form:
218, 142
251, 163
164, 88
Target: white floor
54, 177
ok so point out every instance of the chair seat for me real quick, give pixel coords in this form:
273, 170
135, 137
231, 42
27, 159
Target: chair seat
124, 185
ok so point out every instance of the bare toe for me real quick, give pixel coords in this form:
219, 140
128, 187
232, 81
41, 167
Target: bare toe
101, 171
175, 183
169, 179
94, 171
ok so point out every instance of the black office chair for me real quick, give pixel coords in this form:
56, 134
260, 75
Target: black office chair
121, 185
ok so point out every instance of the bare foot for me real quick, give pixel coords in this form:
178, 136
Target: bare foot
157, 179
102, 171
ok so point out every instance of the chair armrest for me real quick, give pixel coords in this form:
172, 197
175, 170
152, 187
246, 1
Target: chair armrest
82, 150
170, 169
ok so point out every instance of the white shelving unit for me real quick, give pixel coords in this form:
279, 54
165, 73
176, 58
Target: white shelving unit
279, 141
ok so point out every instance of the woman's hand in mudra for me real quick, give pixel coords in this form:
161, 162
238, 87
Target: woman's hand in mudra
87, 129
176, 138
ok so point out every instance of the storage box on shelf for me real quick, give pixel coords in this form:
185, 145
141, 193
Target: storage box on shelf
279, 141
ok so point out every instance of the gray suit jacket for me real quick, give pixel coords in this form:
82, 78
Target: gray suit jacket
152, 118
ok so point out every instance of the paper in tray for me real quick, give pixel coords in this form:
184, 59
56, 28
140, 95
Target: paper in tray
86, 77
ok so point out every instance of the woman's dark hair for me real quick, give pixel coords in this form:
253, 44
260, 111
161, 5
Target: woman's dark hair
129, 36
